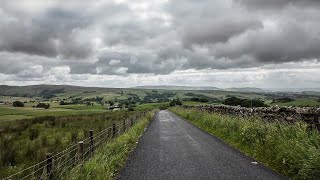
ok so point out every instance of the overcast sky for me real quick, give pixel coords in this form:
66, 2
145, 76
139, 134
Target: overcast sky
125, 43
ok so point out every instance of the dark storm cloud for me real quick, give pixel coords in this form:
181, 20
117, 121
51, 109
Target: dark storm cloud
277, 4
233, 37
291, 43
216, 32
106, 37
51, 33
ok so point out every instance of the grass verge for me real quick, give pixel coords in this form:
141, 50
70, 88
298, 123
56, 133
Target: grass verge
111, 157
291, 150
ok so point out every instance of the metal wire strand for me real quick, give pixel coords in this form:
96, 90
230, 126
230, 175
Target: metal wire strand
119, 126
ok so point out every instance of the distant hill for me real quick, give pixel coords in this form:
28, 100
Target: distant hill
288, 90
41, 90
178, 87
246, 89
295, 89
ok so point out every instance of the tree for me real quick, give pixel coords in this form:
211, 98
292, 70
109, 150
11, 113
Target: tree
18, 104
131, 107
234, 101
43, 105
111, 103
63, 103
175, 102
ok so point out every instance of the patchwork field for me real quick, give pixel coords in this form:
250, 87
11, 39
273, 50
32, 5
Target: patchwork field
91, 100
35, 120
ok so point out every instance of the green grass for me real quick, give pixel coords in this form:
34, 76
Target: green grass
111, 157
194, 103
300, 103
25, 142
8, 113
291, 150
150, 106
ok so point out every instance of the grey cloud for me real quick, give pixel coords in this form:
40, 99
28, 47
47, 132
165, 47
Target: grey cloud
184, 34
277, 4
221, 31
49, 34
82, 68
135, 63
291, 43
210, 22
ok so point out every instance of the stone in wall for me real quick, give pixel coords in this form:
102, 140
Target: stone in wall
310, 115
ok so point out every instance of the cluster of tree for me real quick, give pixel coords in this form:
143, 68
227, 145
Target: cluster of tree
42, 105
198, 99
234, 101
121, 92
155, 96
89, 91
65, 103
89, 103
201, 98
175, 102
80, 100
134, 97
77, 101
94, 99
127, 104
18, 104
282, 100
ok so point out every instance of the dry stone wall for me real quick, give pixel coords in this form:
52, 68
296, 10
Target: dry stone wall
287, 114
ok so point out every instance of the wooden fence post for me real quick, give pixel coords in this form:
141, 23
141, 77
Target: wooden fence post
91, 143
113, 130
81, 151
49, 166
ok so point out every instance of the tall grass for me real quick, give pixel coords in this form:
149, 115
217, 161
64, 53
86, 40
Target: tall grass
25, 142
292, 150
111, 157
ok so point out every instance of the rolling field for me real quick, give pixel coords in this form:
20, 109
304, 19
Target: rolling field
8, 113
141, 98
28, 133
300, 103
26, 142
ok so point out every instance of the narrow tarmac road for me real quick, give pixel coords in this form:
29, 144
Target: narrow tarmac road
172, 148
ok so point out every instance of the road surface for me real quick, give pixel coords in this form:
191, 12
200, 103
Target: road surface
172, 148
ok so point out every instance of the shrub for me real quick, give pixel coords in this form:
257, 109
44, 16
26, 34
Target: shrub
282, 100
43, 105
234, 101
63, 103
18, 104
131, 107
175, 102
111, 103
164, 106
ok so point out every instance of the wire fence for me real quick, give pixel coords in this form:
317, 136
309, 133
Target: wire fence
56, 166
